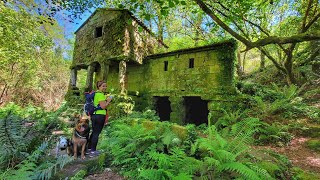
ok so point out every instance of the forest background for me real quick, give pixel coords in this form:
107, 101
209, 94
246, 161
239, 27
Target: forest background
278, 53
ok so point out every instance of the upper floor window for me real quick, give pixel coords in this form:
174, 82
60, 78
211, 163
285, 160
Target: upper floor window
165, 65
191, 63
98, 32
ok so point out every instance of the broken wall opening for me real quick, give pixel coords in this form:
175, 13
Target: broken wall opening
82, 78
162, 107
196, 110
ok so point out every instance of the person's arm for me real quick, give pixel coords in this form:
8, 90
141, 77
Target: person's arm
103, 104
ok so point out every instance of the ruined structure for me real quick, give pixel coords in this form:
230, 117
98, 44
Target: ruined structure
184, 86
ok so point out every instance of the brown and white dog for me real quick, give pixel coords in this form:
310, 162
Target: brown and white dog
80, 137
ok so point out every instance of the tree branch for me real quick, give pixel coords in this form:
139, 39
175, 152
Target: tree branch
284, 40
311, 57
272, 59
226, 16
306, 16
312, 21
205, 8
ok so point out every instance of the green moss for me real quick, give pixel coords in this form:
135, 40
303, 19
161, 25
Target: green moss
180, 131
79, 175
272, 168
314, 144
299, 174
311, 131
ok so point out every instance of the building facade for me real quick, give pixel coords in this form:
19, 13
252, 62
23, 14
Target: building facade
184, 86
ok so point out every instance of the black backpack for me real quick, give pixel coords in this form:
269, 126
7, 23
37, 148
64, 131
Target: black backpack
89, 107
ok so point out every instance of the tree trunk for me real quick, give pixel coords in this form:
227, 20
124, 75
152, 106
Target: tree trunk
288, 65
262, 62
239, 65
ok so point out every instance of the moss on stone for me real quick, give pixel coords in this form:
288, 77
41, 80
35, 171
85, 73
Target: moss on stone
211, 75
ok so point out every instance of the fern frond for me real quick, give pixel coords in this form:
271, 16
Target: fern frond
47, 169
154, 174
239, 168
261, 172
26, 168
212, 162
182, 176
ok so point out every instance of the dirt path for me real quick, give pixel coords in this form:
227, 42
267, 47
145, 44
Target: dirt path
107, 174
299, 155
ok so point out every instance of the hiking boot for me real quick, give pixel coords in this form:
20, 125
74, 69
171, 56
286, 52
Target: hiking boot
88, 151
94, 153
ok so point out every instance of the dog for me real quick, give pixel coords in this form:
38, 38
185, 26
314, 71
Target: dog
63, 144
80, 136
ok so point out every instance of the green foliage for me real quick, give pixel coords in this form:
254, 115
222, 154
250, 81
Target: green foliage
275, 133
314, 144
31, 71
15, 139
300, 174
22, 130
275, 100
148, 114
34, 168
80, 174
121, 105
156, 153
226, 154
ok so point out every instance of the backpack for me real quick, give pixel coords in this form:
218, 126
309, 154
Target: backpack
89, 107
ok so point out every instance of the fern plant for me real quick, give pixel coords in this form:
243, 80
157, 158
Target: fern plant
224, 155
33, 168
14, 139
177, 164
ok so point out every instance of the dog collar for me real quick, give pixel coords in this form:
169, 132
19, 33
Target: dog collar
76, 132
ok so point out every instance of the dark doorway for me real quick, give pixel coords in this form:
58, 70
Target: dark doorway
196, 110
163, 108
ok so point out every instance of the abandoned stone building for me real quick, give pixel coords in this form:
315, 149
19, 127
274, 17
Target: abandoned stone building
184, 86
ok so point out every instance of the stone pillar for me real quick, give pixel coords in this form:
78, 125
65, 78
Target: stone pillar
73, 79
104, 71
178, 110
122, 76
90, 73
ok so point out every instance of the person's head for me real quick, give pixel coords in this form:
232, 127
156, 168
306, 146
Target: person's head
101, 86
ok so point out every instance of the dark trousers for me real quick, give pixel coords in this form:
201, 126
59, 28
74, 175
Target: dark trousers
97, 126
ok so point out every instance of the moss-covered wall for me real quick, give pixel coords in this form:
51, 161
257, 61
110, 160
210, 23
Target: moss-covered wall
123, 38
212, 72
211, 78
126, 41
88, 48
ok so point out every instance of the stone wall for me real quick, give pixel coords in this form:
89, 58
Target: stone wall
212, 72
123, 56
89, 48
211, 78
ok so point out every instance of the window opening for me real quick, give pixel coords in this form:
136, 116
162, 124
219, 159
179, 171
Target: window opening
165, 65
98, 32
191, 63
